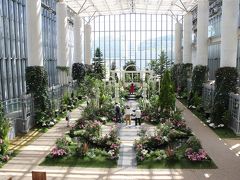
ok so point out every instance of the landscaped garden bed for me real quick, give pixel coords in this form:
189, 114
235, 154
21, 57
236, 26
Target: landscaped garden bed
172, 146
85, 146
222, 132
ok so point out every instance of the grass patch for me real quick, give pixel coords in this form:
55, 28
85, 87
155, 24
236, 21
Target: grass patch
176, 164
72, 161
224, 132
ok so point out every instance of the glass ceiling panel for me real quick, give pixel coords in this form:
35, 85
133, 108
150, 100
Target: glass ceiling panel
108, 7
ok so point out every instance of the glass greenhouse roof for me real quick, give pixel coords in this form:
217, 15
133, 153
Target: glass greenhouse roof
108, 7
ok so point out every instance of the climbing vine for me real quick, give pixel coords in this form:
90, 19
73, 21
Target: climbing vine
37, 85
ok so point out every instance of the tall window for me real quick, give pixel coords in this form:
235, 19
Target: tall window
137, 37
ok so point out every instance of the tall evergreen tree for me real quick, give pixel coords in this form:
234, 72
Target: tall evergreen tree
98, 64
167, 95
161, 64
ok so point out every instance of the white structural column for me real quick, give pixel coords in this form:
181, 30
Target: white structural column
87, 43
34, 32
62, 41
77, 39
202, 33
229, 33
178, 43
187, 38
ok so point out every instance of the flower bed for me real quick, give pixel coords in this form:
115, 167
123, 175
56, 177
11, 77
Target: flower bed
172, 145
85, 146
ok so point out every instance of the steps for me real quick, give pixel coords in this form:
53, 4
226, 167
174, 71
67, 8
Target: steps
131, 96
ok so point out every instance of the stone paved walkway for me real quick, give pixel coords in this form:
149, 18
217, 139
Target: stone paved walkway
127, 135
30, 156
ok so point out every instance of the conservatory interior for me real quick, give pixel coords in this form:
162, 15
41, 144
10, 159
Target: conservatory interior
119, 89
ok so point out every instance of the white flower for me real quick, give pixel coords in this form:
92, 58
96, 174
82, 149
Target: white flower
51, 123
208, 121
103, 118
111, 152
212, 125
144, 151
221, 125
165, 138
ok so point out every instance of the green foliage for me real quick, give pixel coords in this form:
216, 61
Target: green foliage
226, 82
175, 75
63, 68
37, 85
194, 143
4, 129
130, 68
161, 64
98, 65
185, 72
63, 143
199, 77
78, 72
167, 95
89, 69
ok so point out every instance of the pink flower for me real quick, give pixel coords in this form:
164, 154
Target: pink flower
5, 158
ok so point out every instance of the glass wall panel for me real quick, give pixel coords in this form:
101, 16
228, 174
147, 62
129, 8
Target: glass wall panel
137, 37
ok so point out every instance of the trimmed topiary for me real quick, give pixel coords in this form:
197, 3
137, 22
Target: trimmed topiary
226, 82
78, 72
199, 77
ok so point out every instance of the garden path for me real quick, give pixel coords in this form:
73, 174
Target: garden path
31, 155
227, 161
128, 134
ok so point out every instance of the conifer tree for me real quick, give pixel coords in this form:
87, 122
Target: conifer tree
167, 95
98, 65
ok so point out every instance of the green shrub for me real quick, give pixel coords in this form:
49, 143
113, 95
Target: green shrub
226, 82
194, 143
78, 72
4, 129
199, 77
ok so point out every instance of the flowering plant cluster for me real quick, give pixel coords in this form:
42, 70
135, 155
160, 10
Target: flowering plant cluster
114, 151
57, 152
192, 155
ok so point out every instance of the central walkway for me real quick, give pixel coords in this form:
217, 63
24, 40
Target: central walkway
128, 134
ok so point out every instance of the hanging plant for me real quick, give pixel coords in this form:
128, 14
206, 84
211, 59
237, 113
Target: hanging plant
226, 82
